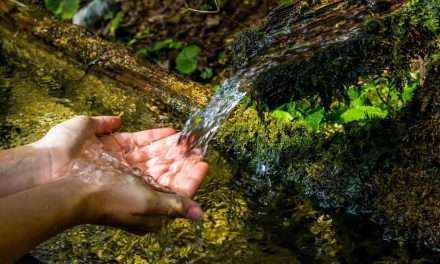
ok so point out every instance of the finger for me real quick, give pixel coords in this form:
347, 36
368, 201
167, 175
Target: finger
105, 124
144, 138
188, 181
173, 206
141, 225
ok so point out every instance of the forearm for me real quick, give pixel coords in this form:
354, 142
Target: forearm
33, 216
23, 168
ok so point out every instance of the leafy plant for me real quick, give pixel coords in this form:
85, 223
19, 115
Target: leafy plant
206, 74
377, 97
360, 113
408, 92
166, 44
115, 23
188, 59
310, 114
314, 119
139, 36
65, 9
282, 115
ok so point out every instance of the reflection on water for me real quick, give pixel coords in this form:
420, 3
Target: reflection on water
238, 227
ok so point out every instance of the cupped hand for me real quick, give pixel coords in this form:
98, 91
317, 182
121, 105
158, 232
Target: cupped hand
155, 152
122, 199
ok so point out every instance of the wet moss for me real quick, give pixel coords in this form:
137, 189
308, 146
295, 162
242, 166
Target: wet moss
300, 68
407, 192
386, 169
382, 168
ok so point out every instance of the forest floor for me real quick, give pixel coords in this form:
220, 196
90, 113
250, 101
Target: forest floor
159, 30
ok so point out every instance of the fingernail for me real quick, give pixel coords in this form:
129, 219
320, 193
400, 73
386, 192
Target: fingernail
194, 213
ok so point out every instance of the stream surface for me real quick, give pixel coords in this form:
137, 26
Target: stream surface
246, 220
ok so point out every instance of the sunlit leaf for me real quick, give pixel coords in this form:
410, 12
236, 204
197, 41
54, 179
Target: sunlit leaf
313, 120
363, 113
115, 23
64, 8
282, 115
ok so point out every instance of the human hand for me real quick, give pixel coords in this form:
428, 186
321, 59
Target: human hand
154, 152
121, 199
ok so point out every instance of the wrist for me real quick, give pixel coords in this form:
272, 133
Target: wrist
84, 209
23, 168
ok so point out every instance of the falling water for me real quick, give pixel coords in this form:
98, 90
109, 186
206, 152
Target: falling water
202, 126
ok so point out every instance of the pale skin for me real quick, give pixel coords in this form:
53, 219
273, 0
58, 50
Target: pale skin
40, 196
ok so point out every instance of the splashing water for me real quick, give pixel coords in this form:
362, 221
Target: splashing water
202, 126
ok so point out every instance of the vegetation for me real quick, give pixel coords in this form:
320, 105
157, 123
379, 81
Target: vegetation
65, 9
357, 136
377, 97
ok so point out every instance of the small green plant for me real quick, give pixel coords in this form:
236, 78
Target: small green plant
65, 9
311, 114
115, 23
206, 74
139, 36
375, 98
188, 59
157, 47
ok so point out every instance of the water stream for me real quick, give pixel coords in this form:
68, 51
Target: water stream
248, 218
238, 227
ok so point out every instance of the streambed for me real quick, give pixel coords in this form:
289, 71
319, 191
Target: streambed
246, 221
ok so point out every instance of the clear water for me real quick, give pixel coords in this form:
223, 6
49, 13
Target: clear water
202, 126
238, 226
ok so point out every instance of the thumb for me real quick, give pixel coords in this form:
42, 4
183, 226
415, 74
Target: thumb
105, 124
175, 206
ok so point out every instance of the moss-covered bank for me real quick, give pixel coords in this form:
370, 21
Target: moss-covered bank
384, 168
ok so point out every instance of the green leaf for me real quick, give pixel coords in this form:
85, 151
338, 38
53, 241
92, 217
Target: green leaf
188, 59
282, 115
115, 23
353, 93
69, 8
363, 113
206, 74
408, 92
313, 120
163, 44
52, 5
64, 8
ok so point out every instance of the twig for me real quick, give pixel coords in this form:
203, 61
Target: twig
204, 11
20, 4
